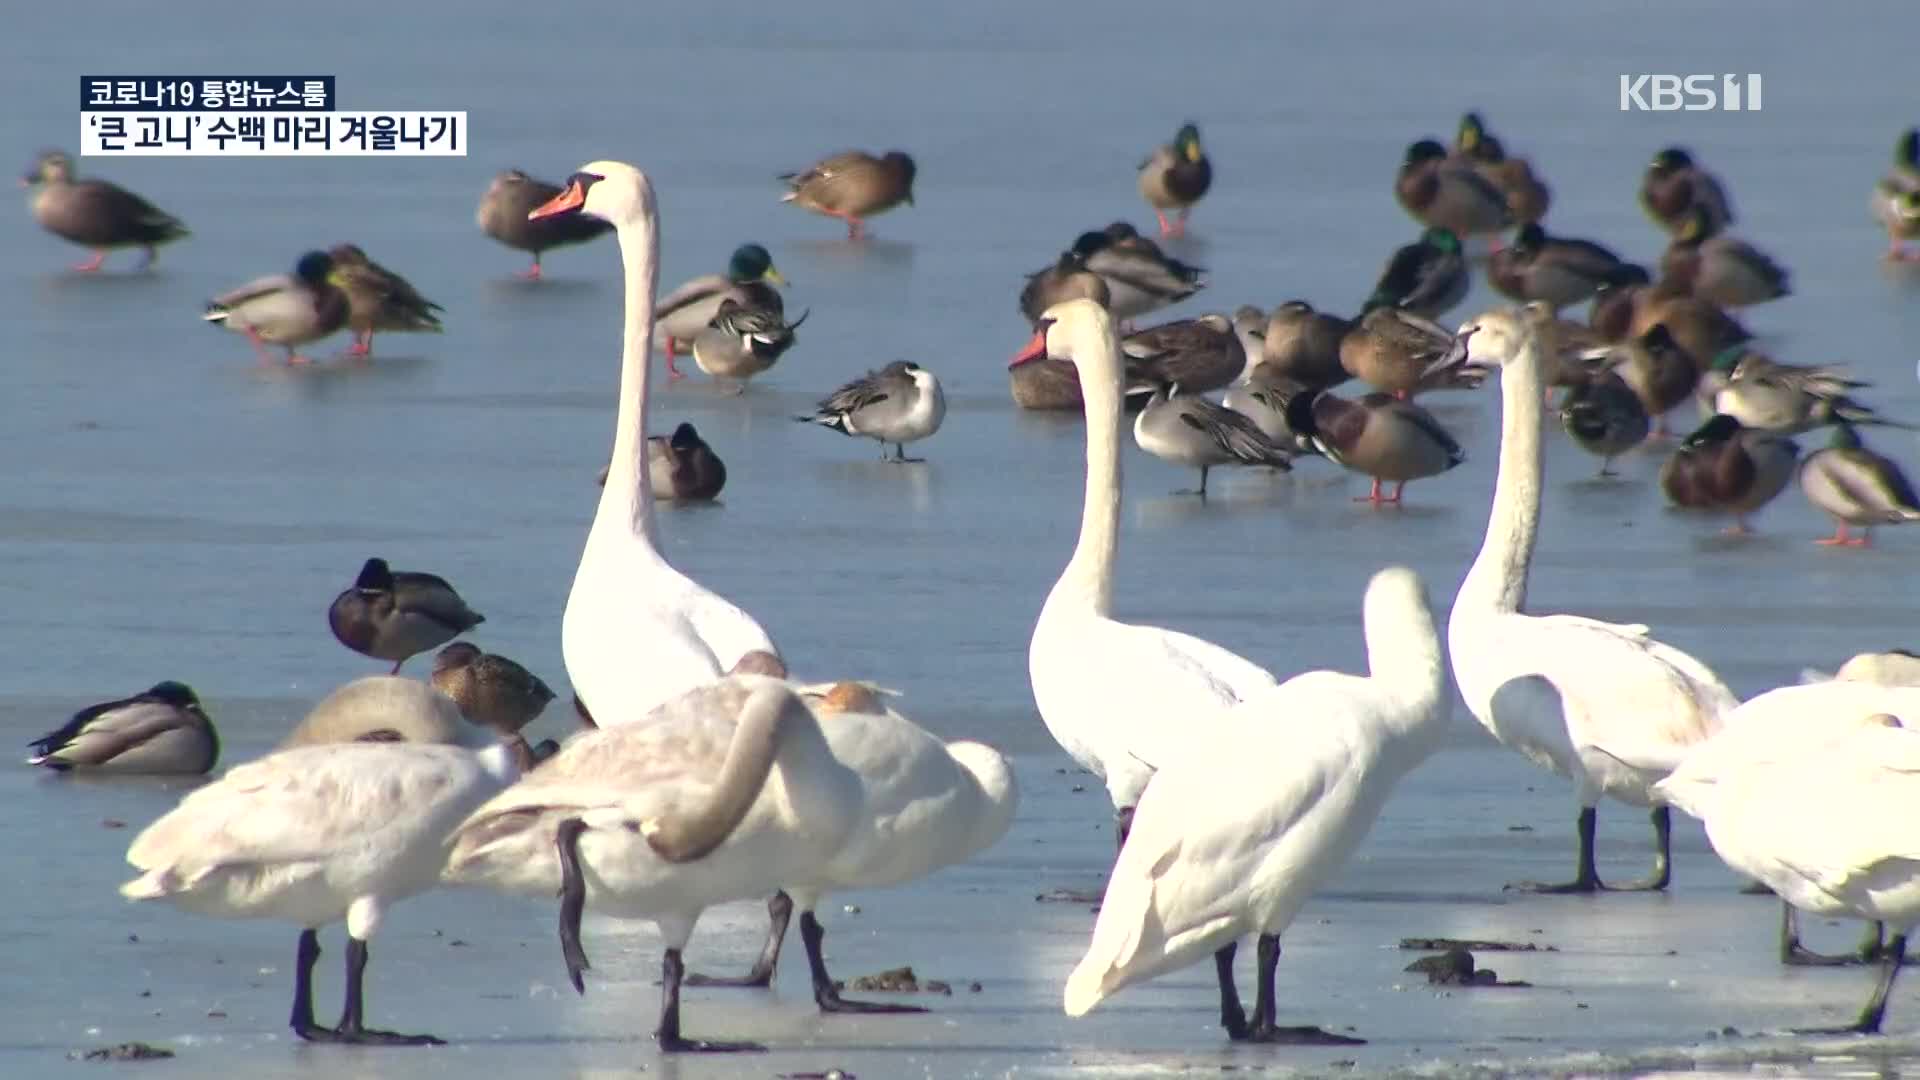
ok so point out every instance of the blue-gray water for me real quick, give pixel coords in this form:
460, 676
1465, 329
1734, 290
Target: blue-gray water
171, 510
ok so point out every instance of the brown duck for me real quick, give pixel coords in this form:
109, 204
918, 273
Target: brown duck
853, 185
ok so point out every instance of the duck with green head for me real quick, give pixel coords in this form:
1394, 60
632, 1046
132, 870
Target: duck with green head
1674, 185
1856, 487
1427, 277
1896, 197
1449, 194
1726, 467
1719, 267
1560, 270
686, 311
288, 310
1175, 177
1473, 142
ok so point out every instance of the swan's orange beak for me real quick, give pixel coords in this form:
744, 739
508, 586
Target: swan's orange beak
1035, 349
570, 199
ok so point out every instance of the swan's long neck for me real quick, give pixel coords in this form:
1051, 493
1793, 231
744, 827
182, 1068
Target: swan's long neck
765, 720
1406, 656
1498, 580
627, 499
1088, 578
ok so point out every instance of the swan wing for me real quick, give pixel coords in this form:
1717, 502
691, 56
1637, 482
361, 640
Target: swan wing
1250, 807
302, 805
728, 631
1149, 683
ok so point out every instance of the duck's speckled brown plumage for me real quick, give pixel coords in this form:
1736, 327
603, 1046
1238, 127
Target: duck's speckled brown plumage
491, 690
853, 185
379, 299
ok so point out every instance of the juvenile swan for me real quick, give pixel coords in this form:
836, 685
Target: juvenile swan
312, 836
1601, 703
927, 804
1235, 836
726, 792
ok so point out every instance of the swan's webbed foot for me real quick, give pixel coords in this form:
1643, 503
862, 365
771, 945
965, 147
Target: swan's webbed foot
676, 1045
825, 993
1307, 1035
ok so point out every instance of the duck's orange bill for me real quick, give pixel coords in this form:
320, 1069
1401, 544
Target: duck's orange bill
1035, 349
569, 199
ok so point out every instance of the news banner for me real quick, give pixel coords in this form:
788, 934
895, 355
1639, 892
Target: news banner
254, 116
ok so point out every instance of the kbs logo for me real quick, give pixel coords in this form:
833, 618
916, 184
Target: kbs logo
1693, 93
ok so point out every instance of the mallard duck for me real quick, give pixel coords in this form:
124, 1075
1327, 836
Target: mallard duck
1174, 178
1528, 196
1560, 270
1728, 468
682, 467
691, 308
1067, 279
288, 310
742, 342
503, 215
1185, 429
1698, 326
1896, 196
1660, 373
1674, 185
899, 404
1720, 268
163, 731
96, 214
1604, 417
1611, 314
1427, 277
1449, 194
1473, 142
852, 185
491, 690
392, 614
1394, 350
1565, 347
1139, 276
379, 299
1378, 436
1855, 486
1304, 344
1199, 355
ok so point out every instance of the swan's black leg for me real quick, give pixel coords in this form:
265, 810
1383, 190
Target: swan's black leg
1662, 819
307, 953
1264, 1008
353, 1027
672, 970
779, 913
1233, 1016
825, 994
573, 900
1587, 880
1876, 1010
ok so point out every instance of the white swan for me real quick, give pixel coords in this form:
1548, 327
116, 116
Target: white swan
1790, 722
1117, 696
1601, 703
636, 631
1234, 836
724, 793
387, 708
928, 804
314, 835
1826, 823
